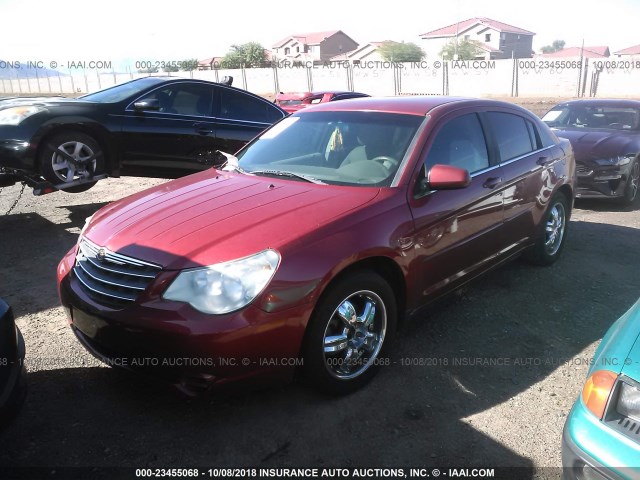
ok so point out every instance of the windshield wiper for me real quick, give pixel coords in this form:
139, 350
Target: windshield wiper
283, 173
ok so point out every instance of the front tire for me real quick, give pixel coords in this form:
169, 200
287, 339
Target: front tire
349, 333
84, 158
633, 182
554, 224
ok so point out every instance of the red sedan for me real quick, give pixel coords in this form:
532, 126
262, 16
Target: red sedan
293, 101
303, 254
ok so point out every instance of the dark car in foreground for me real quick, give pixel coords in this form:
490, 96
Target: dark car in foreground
13, 385
308, 249
291, 102
601, 437
151, 126
605, 135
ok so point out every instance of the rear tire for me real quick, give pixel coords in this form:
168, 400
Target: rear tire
349, 334
554, 231
57, 169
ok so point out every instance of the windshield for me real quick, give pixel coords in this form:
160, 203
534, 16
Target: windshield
121, 92
610, 118
339, 148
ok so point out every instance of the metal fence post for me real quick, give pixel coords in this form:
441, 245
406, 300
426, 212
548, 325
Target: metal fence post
276, 81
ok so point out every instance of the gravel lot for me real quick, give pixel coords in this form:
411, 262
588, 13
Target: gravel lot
544, 323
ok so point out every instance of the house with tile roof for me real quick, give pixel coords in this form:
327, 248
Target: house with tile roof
584, 52
315, 46
364, 53
496, 39
628, 52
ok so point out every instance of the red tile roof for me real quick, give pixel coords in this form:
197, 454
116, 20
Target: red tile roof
457, 28
635, 50
209, 61
308, 38
587, 52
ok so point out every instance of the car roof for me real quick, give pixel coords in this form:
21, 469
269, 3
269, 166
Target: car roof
411, 105
602, 102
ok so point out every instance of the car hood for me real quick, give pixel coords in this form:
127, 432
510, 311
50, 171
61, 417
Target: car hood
631, 366
45, 101
619, 349
597, 144
215, 216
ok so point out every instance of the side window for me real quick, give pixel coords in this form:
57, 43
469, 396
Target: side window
460, 143
236, 105
184, 99
512, 135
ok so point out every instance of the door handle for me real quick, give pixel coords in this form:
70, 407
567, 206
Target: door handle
202, 129
492, 182
544, 161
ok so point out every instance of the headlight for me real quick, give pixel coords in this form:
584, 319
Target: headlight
15, 115
620, 161
629, 401
224, 287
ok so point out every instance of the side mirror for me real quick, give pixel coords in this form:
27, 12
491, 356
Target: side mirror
148, 104
446, 177
227, 80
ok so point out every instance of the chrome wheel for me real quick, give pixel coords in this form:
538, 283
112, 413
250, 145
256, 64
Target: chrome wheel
354, 335
79, 161
554, 230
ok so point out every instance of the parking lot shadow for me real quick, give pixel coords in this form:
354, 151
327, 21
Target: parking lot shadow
30, 250
416, 412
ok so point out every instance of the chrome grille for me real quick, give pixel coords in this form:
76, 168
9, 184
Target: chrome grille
110, 277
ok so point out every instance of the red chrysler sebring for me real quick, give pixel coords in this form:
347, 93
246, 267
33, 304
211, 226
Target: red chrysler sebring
304, 252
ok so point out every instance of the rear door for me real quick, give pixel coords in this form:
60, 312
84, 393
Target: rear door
458, 233
527, 165
178, 136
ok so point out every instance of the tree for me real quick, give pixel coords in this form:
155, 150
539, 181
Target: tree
401, 52
148, 70
247, 55
554, 47
465, 49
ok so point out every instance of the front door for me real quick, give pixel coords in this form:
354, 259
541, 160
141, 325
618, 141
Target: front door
458, 233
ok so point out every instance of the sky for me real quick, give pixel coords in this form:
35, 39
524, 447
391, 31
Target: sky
74, 30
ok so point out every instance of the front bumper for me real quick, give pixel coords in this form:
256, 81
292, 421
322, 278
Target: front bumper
591, 450
174, 342
17, 149
597, 181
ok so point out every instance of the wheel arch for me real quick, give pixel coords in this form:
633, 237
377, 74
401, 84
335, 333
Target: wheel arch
382, 265
95, 131
567, 191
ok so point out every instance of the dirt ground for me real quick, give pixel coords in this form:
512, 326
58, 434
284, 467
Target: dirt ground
546, 321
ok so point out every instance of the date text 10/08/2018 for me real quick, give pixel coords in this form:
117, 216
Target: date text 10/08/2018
316, 472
